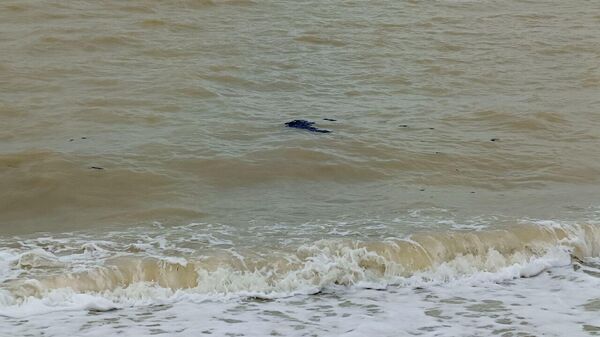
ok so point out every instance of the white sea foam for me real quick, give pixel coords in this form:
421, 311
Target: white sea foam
428, 283
550, 304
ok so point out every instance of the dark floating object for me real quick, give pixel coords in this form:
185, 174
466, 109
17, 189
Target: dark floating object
431, 128
71, 139
403, 126
422, 190
83, 137
96, 311
494, 139
305, 125
329, 119
96, 168
258, 299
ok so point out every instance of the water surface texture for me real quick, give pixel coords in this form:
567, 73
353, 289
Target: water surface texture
149, 185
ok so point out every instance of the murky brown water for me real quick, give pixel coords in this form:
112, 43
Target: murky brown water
183, 103
127, 121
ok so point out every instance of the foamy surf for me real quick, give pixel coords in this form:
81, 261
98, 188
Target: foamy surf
198, 279
482, 303
37, 277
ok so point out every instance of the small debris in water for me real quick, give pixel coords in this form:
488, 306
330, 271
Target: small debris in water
96, 168
83, 137
403, 126
494, 139
258, 299
329, 119
422, 190
71, 139
305, 125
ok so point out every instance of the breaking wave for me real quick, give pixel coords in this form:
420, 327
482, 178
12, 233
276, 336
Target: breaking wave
423, 258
